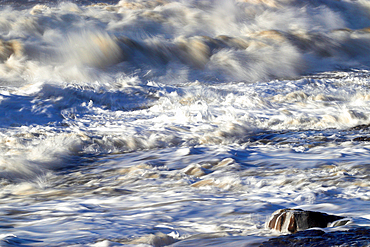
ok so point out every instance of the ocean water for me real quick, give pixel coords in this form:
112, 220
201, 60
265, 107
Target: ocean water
183, 123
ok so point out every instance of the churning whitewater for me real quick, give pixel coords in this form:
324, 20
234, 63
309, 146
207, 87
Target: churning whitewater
182, 123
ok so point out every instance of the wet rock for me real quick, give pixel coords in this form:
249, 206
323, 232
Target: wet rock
314, 238
293, 220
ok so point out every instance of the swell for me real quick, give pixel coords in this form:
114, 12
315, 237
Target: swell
159, 40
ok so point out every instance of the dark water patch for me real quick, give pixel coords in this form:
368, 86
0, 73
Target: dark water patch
314, 238
300, 137
361, 127
362, 139
312, 138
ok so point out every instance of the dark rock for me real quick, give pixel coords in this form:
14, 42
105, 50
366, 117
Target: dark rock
314, 238
293, 220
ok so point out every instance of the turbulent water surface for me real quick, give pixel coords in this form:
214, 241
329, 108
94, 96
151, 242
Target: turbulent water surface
184, 123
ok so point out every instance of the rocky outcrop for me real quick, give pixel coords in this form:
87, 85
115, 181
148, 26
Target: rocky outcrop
359, 236
293, 220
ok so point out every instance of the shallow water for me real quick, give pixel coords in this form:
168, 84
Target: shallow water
183, 123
